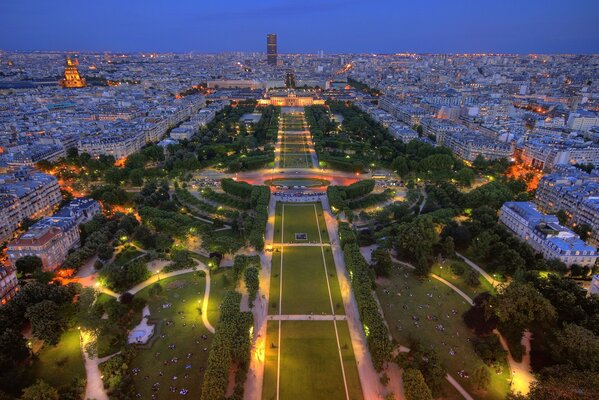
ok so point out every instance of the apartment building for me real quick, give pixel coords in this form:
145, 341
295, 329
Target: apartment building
25, 193
545, 235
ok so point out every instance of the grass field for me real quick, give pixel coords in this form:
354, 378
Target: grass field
296, 161
184, 293
59, 365
306, 359
221, 281
430, 312
310, 367
305, 288
300, 218
445, 272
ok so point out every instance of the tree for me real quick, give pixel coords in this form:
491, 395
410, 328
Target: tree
578, 346
13, 348
448, 248
252, 283
416, 239
465, 176
40, 391
400, 165
521, 305
46, 322
472, 278
105, 252
478, 317
414, 385
564, 383
583, 230
28, 264
481, 377
562, 216
382, 262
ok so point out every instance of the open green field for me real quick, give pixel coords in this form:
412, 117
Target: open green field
306, 281
221, 282
181, 324
300, 218
296, 161
293, 148
310, 365
430, 312
445, 272
292, 122
59, 365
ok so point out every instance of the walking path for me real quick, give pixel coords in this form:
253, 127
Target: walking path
455, 289
521, 373
255, 376
94, 387
369, 378
481, 271
303, 244
306, 317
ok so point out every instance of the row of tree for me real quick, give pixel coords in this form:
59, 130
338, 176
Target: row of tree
377, 333
231, 344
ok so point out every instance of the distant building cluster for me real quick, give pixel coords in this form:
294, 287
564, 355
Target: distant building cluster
25, 194
545, 234
51, 238
545, 152
573, 191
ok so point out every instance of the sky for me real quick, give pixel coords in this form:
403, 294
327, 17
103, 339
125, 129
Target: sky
306, 26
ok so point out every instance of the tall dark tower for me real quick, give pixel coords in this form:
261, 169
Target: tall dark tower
271, 48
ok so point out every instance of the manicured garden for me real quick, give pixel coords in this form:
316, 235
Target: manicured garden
309, 366
300, 218
305, 289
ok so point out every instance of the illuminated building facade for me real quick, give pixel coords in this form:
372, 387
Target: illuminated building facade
72, 79
271, 48
9, 284
290, 98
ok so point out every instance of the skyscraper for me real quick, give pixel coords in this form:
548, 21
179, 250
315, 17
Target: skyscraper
271, 48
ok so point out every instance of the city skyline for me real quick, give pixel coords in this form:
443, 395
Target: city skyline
335, 27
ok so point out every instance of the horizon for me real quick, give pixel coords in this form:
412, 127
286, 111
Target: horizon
348, 27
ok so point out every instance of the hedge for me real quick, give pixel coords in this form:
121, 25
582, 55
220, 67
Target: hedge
377, 333
371, 199
231, 344
340, 196
259, 200
226, 199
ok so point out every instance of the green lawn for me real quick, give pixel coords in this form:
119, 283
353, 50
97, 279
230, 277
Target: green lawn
309, 367
445, 272
221, 281
295, 148
59, 365
404, 298
184, 293
300, 218
305, 287
126, 255
296, 161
